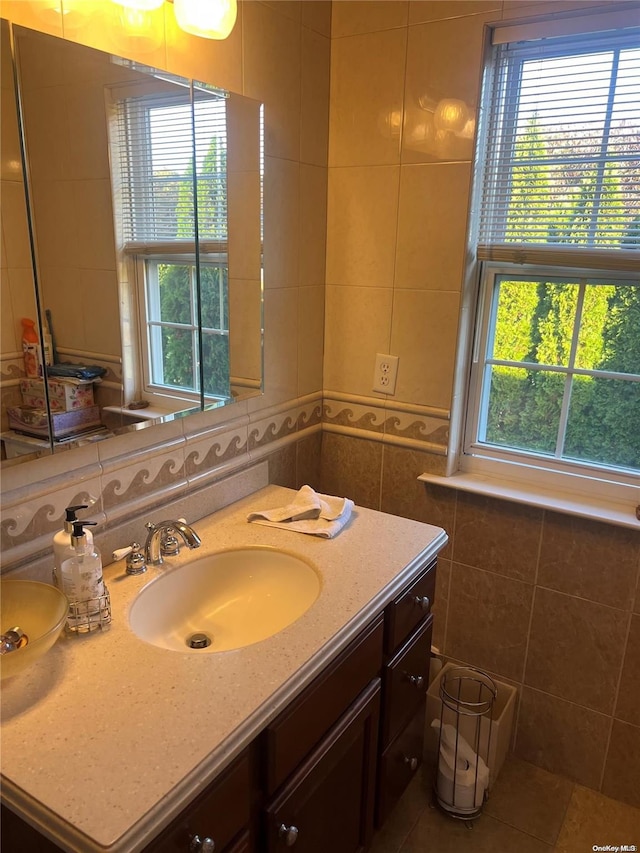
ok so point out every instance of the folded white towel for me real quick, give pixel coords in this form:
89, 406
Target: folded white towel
308, 512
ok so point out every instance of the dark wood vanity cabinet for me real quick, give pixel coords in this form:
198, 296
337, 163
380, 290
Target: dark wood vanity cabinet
331, 766
319, 805
219, 819
328, 803
405, 679
300, 727
321, 756
219, 816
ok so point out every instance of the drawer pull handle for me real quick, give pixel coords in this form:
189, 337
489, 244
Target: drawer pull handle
289, 834
411, 762
422, 601
202, 845
416, 680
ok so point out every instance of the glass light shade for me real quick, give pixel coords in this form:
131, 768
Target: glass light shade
390, 123
212, 19
421, 132
140, 25
140, 5
70, 12
451, 114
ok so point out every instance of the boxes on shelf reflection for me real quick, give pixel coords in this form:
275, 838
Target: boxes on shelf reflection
63, 396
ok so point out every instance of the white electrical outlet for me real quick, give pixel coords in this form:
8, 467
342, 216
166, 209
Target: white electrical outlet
385, 373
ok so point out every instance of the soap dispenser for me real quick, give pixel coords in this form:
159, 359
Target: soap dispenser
62, 548
82, 582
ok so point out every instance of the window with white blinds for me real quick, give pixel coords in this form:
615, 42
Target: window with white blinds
554, 379
561, 151
167, 146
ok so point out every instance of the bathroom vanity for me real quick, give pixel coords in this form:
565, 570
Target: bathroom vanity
305, 739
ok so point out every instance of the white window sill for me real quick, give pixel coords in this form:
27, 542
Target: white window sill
574, 503
150, 413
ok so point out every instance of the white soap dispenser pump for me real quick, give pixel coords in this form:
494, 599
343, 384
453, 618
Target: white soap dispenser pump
62, 548
82, 582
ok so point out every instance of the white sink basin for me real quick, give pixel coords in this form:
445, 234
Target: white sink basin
228, 600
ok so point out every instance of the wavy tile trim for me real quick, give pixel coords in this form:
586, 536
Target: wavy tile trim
403, 425
145, 475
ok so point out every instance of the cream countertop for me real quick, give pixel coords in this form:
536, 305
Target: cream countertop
107, 738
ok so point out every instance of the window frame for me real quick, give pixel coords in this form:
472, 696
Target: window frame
477, 393
584, 489
146, 324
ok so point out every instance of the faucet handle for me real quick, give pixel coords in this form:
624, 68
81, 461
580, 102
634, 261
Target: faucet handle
136, 563
169, 544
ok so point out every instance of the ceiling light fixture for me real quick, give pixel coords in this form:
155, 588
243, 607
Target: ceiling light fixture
451, 114
140, 5
211, 19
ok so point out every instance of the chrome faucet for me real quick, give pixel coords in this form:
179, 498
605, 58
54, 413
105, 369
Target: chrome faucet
153, 545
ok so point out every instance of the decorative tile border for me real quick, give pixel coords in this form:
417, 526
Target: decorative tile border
142, 484
216, 455
11, 368
309, 413
271, 428
401, 424
354, 415
139, 471
29, 524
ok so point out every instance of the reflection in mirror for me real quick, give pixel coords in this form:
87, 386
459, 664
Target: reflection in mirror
144, 193
16, 271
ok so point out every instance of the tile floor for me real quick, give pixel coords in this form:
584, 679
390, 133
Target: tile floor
528, 811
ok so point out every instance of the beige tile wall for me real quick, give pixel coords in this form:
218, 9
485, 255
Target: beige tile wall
548, 602
541, 600
65, 123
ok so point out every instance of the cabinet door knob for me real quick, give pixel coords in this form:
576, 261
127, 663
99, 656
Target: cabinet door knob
202, 845
411, 762
416, 680
422, 601
289, 834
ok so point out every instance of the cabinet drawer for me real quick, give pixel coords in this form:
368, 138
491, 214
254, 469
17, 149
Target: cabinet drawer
399, 763
297, 730
221, 812
405, 680
328, 803
409, 608
242, 844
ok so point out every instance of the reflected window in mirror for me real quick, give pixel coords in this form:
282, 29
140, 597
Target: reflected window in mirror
171, 337
170, 173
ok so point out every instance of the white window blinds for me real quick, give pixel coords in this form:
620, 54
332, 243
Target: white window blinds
166, 146
561, 155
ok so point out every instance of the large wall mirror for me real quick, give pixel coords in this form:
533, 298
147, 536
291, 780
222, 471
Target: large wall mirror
143, 229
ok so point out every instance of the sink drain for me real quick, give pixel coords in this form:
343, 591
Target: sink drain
199, 641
